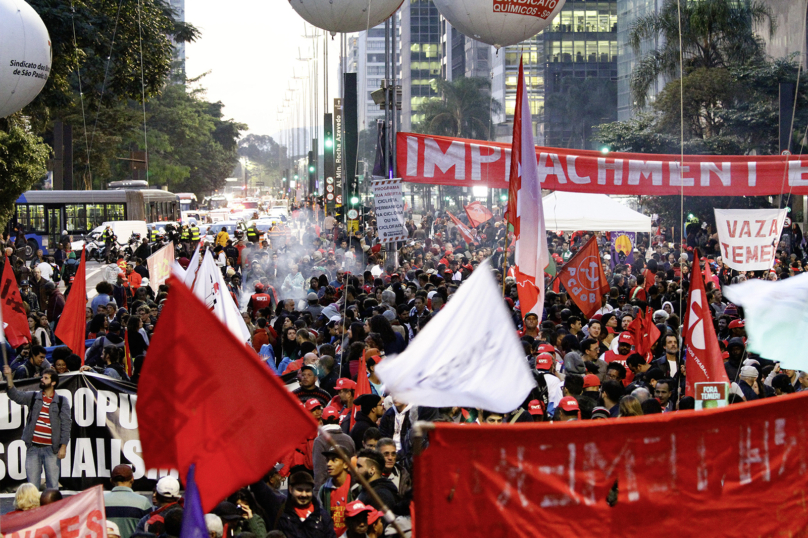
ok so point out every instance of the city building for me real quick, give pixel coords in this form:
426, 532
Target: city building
463, 56
366, 58
179, 48
628, 12
421, 37
581, 42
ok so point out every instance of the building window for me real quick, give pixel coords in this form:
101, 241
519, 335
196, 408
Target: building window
115, 212
31, 218
95, 215
76, 217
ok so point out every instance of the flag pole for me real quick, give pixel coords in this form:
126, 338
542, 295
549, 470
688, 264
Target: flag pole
505, 259
386, 512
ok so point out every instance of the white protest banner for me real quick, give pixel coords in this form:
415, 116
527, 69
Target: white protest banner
389, 205
749, 237
159, 265
81, 515
466, 356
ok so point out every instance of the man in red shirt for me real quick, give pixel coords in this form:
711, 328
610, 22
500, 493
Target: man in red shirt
258, 300
624, 343
264, 334
336, 492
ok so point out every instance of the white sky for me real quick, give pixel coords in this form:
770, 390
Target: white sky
250, 48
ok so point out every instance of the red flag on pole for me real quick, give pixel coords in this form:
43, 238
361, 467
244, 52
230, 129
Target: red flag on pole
525, 211
362, 381
477, 213
703, 361
128, 364
71, 328
467, 235
584, 279
192, 408
15, 321
645, 334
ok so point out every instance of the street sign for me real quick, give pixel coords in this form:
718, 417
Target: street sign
329, 188
353, 213
259, 183
329, 197
329, 180
339, 198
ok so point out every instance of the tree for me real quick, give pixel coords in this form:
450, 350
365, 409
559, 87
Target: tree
266, 157
23, 160
463, 109
715, 33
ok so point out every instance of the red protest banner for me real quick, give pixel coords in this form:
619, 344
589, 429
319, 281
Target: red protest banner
14, 318
440, 160
715, 470
81, 515
584, 279
71, 327
465, 233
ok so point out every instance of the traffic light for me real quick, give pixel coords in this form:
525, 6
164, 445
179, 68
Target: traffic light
312, 170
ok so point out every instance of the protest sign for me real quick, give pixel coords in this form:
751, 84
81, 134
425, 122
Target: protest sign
389, 208
623, 248
159, 265
710, 395
720, 469
748, 237
104, 433
77, 516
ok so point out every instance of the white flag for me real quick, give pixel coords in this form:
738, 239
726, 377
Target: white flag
193, 267
467, 356
212, 290
776, 316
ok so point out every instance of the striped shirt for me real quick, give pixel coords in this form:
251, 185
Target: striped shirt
42, 430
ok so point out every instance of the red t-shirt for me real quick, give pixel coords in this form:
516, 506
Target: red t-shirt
42, 430
339, 501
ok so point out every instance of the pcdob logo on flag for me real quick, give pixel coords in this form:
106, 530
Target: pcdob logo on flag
585, 279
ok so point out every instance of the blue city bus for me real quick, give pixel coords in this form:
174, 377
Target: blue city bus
42, 215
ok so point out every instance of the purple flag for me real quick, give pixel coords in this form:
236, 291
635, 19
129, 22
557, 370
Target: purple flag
193, 519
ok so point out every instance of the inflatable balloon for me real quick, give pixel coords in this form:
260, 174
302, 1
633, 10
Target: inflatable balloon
345, 15
499, 22
25, 55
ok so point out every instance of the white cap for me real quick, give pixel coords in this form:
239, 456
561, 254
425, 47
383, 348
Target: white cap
112, 529
214, 524
168, 486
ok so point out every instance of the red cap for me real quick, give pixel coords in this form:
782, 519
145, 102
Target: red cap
544, 361
591, 380
357, 507
546, 348
345, 383
597, 316
626, 338
569, 404
534, 408
330, 412
737, 324
374, 516
312, 404
725, 355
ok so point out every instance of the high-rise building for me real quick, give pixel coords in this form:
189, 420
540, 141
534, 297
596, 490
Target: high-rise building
179, 48
421, 56
580, 43
366, 58
463, 56
628, 12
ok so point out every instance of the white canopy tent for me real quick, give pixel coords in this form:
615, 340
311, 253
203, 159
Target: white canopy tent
572, 211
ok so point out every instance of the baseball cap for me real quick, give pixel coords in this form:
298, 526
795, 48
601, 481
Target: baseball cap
112, 529
374, 516
600, 412
546, 348
737, 324
591, 380
168, 486
330, 412
569, 404
24, 283
124, 472
330, 451
357, 507
345, 383
308, 367
749, 371
531, 314
312, 404
535, 408
312, 297
544, 361
625, 338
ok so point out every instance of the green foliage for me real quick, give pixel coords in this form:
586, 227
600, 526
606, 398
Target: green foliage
463, 110
581, 104
266, 157
715, 33
23, 160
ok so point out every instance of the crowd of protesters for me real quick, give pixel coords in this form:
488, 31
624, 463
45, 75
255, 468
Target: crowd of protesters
321, 299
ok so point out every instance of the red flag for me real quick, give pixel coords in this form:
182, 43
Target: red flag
477, 213
525, 209
15, 320
645, 334
362, 381
128, 364
703, 361
72, 326
467, 234
584, 279
192, 408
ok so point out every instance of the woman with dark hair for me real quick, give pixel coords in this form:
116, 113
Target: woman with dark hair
288, 343
43, 331
96, 327
137, 344
322, 280
356, 333
393, 342
351, 367
569, 342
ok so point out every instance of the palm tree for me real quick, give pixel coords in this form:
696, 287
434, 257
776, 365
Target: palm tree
715, 33
463, 109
